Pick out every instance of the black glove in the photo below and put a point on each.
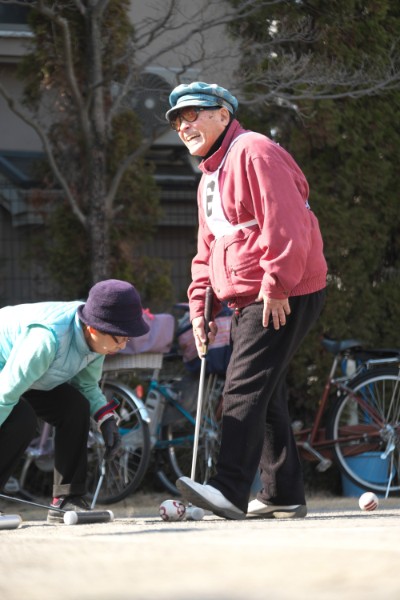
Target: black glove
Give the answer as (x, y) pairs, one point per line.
(111, 436)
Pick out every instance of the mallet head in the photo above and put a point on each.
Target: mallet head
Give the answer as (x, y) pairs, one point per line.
(10, 521)
(72, 517)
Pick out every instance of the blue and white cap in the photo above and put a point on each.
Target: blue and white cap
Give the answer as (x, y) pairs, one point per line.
(199, 93)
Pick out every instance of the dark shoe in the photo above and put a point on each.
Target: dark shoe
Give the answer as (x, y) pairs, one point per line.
(76, 503)
(209, 498)
(272, 511)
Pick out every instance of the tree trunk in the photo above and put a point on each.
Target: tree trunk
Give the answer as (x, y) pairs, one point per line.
(98, 223)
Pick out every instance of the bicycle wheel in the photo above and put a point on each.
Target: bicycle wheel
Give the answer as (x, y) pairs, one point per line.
(175, 447)
(365, 427)
(125, 472)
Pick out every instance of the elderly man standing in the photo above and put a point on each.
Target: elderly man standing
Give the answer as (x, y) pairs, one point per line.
(260, 248)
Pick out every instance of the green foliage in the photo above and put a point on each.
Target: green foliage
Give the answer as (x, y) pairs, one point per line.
(64, 249)
(353, 178)
(349, 150)
(152, 276)
(65, 252)
(44, 68)
(137, 204)
(89, 143)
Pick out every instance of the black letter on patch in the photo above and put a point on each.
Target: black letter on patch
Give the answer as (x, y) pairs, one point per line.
(209, 197)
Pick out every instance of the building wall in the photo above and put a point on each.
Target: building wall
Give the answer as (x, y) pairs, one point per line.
(220, 54)
(15, 134)
(175, 240)
(22, 279)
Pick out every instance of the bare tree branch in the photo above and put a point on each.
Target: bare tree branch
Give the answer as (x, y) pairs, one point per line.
(299, 78)
(177, 36)
(81, 7)
(281, 84)
(129, 160)
(62, 23)
(49, 152)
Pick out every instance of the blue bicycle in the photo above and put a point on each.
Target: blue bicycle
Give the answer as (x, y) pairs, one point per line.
(159, 427)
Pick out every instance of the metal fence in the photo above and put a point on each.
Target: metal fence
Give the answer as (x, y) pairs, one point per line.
(24, 279)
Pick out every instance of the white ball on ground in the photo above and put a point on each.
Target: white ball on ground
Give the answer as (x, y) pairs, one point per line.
(368, 501)
(70, 517)
(172, 510)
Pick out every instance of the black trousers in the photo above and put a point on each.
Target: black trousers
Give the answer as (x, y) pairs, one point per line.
(67, 410)
(256, 425)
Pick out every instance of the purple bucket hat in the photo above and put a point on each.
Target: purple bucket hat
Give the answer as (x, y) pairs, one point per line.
(114, 306)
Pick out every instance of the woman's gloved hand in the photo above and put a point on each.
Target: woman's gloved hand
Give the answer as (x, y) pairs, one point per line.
(111, 436)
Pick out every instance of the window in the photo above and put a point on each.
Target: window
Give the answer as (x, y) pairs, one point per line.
(13, 15)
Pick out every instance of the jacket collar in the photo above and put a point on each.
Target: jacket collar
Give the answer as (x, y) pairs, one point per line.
(211, 164)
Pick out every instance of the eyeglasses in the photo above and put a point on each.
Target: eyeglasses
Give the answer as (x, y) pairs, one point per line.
(123, 340)
(190, 114)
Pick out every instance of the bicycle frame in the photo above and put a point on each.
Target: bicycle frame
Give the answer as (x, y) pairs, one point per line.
(172, 400)
(312, 442)
(155, 426)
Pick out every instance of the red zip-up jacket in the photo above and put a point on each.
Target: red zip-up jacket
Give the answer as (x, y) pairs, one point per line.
(283, 254)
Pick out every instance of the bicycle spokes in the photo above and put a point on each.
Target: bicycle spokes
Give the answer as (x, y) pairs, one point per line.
(366, 431)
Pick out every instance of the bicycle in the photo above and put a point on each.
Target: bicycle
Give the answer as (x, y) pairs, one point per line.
(170, 424)
(162, 427)
(363, 422)
(171, 406)
(125, 472)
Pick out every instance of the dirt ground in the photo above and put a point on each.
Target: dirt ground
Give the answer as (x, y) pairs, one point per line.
(338, 551)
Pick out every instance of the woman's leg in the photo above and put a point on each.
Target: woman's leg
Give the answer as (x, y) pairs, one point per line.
(15, 435)
(67, 410)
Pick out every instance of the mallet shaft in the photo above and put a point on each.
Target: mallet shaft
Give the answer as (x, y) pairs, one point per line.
(23, 501)
(207, 317)
(92, 516)
(99, 484)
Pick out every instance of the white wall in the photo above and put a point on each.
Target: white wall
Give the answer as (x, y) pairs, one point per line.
(219, 53)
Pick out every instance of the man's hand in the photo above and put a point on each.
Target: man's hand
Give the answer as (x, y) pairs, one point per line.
(111, 436)
(275, 309)
(200, 334)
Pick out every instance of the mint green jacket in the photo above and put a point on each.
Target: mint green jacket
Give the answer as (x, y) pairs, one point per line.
(42, 345)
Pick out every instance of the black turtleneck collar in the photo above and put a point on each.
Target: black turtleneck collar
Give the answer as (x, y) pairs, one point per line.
(218, 142)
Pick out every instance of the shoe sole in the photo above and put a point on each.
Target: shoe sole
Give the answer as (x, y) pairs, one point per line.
(59, 518)
(197, 500)
(280, 513)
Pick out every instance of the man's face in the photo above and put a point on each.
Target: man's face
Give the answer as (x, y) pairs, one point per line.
(200, 135)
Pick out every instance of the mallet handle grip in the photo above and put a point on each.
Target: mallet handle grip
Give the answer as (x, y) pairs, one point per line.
(208, 306)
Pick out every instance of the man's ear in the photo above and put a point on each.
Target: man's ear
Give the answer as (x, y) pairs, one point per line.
(225, 115)
(91, 330)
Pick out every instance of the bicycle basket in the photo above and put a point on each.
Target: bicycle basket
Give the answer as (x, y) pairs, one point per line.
(157, 340)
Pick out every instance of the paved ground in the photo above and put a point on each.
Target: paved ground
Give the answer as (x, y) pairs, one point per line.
(336, 552)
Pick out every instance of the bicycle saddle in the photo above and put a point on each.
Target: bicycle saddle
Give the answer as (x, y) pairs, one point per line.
(338, 346)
